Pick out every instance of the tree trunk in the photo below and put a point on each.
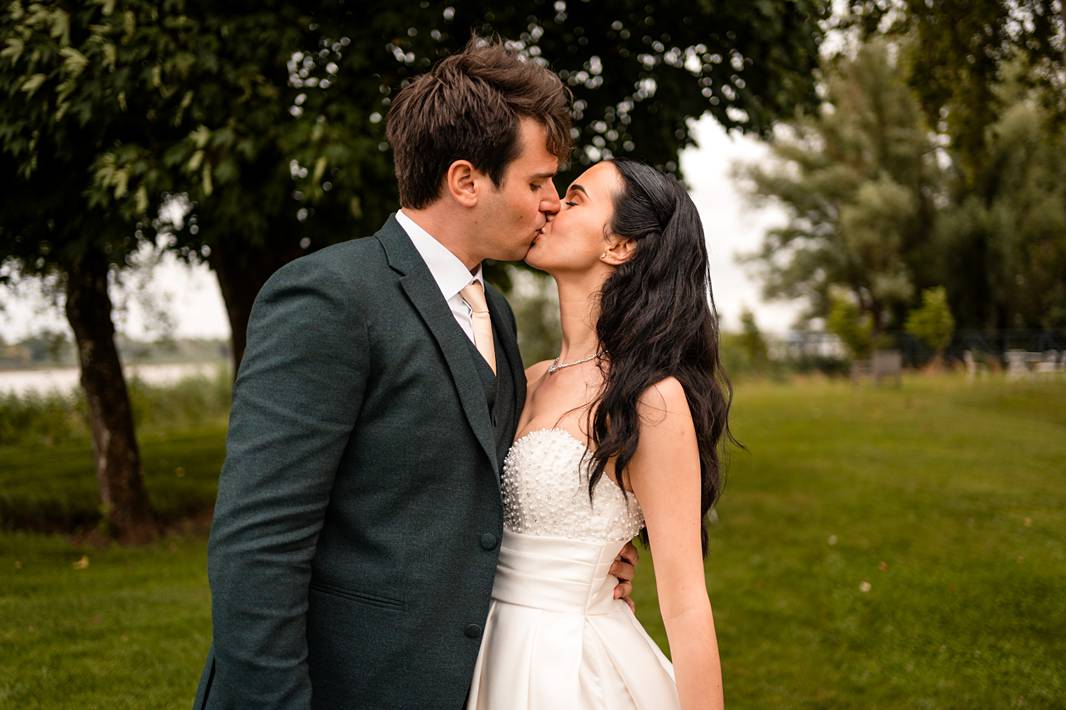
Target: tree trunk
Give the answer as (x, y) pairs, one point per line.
(241, 272)
(125, 506)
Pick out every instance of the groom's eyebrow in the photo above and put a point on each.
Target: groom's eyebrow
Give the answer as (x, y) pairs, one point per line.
(542, 176)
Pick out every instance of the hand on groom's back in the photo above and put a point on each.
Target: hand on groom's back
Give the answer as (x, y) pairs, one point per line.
(624, 568)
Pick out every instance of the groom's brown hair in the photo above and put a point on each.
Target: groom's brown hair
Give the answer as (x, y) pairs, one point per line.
(467, 107)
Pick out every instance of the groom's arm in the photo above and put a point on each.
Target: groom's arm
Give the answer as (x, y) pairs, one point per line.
(296, 400)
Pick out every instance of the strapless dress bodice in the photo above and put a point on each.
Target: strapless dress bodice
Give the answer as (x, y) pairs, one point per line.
(545, 492)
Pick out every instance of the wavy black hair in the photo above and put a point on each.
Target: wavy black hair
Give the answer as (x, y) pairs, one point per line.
(658, 319)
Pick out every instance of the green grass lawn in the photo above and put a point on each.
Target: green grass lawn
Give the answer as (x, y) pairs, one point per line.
(54, 488)
(875, 548)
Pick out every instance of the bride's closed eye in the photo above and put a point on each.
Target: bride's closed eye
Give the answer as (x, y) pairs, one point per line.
(570, 203)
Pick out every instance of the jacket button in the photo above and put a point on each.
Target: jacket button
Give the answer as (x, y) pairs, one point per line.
(473, 630)
(488, 541)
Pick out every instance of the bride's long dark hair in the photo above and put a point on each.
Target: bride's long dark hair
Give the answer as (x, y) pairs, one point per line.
(658, 319)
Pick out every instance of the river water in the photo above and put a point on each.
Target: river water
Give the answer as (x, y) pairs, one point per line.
(65, 379)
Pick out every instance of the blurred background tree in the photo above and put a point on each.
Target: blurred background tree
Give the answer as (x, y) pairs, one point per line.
(745, 353)
(932, 322)
(990, 77)
(957, 54)
(849, 323)
(858, 180)
(752, 342)
(1001, 246)
(935, 160)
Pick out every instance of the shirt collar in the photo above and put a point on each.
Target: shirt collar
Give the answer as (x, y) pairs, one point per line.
(447, 269)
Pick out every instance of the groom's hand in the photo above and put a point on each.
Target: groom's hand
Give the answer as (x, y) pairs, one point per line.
(625, 565)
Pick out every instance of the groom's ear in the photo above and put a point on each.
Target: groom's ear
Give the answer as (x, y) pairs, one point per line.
(462, 182)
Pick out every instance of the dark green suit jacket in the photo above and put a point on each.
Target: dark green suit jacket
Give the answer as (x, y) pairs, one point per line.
(357, 527)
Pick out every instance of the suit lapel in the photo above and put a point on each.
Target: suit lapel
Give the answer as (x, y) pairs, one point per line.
(421, 289)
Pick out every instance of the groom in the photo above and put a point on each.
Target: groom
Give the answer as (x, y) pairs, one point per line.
(358, 519)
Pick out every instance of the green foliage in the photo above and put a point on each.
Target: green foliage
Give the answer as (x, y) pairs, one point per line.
(752, 340)
(990, 77)
(957, 54)
(76, 88)
(40, 419)
(745, 353)
(53, 418)
(881, 207)
(1002, 246)
(932, 323)
(270, 120)
(848, 323)
(186, 402)
(857, 180)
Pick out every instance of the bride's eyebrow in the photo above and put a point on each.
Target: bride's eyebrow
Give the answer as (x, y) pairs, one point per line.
(578, 188)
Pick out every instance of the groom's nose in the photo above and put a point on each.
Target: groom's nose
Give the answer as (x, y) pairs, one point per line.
(550, 204)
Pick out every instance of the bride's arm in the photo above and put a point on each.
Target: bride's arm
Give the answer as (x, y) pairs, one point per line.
(665, 476)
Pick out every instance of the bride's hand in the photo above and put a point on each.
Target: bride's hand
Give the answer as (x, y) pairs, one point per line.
(624, 567)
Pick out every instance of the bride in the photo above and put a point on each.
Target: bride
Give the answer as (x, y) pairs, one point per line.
(618, 437)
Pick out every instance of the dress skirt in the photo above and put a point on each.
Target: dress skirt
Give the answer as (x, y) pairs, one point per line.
(555, 637)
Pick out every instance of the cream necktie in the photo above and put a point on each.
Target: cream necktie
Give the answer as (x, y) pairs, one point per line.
(474, 295)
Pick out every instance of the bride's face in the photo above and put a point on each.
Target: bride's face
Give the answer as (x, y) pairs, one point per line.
(575, 238)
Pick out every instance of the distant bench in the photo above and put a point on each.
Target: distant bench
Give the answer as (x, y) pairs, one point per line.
(884, 365)
(1024, 364)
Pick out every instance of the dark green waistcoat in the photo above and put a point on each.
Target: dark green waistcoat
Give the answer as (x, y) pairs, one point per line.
(499, 391)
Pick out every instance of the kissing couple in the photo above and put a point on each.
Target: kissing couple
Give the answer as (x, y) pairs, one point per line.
(407, 518)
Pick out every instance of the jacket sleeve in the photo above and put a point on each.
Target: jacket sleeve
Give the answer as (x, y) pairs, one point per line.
(296, 400)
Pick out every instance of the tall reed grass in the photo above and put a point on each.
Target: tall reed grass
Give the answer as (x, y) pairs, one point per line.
(54, 418)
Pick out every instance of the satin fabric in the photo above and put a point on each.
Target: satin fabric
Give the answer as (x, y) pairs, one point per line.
(556, 638)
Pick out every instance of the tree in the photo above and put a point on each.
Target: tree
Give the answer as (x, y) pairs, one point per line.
(858, 181)
(848, 323)
(1002, 244)
(752, 342)
(62, 103)
(932, 323)
(280, 106)
(957, 53)
(990, 77)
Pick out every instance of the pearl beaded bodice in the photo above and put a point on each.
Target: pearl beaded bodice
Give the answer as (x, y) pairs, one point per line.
(545, 492)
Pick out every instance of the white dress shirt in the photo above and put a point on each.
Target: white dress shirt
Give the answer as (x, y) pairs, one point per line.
(448, 271)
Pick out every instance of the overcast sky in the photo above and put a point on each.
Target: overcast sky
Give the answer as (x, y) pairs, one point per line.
(192, 298)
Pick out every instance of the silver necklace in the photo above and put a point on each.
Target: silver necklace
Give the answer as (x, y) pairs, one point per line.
(556, 365)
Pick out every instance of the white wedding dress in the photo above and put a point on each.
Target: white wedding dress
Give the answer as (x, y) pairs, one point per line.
(556, 638)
